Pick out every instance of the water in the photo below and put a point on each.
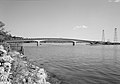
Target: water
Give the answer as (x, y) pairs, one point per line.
(80, 64)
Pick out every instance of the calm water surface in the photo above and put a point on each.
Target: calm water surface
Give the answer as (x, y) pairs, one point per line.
(80, 64)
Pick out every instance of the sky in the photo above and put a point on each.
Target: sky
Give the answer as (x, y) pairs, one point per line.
(77, 19)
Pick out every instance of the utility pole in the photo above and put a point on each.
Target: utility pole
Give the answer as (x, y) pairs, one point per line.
(115, 35)
(103, 36)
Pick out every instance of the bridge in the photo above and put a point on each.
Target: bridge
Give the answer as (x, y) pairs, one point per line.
(56, 40)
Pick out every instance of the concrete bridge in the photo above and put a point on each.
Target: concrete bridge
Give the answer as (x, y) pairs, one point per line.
(42, 41)
(54, 40)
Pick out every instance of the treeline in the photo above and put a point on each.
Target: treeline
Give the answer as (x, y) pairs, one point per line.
(5, 35)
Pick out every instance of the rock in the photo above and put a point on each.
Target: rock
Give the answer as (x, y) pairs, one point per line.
(15, 68)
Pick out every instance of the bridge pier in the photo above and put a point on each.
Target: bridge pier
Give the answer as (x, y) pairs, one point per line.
(74, 43)
(38, 43)
(91, 43)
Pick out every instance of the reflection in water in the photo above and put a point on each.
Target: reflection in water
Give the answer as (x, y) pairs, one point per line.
(115, 48)
(103, 53)
(79, 64)
(106, 58)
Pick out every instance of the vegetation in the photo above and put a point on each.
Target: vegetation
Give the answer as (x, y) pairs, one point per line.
(5, 35)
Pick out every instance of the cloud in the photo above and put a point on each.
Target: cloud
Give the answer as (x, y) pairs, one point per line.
(117, 1)
(114, 1)
(110, 0)
(80, 27)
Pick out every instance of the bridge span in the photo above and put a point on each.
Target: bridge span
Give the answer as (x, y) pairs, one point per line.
(50, 40)
(55, 40)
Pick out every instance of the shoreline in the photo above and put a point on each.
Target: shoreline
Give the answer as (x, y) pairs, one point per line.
(31, 73)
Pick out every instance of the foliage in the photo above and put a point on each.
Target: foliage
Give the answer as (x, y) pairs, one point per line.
(5, 35)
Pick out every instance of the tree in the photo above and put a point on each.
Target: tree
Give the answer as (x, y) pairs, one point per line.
(4, 35)
(1, 24)
(2, 31)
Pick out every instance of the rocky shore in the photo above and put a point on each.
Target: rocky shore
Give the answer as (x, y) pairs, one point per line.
(15, 68)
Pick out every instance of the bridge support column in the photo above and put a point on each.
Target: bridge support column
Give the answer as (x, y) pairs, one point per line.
(91, 43)
(74, 43)
(38, 43)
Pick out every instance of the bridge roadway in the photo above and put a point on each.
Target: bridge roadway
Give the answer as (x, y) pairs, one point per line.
(52, 40)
